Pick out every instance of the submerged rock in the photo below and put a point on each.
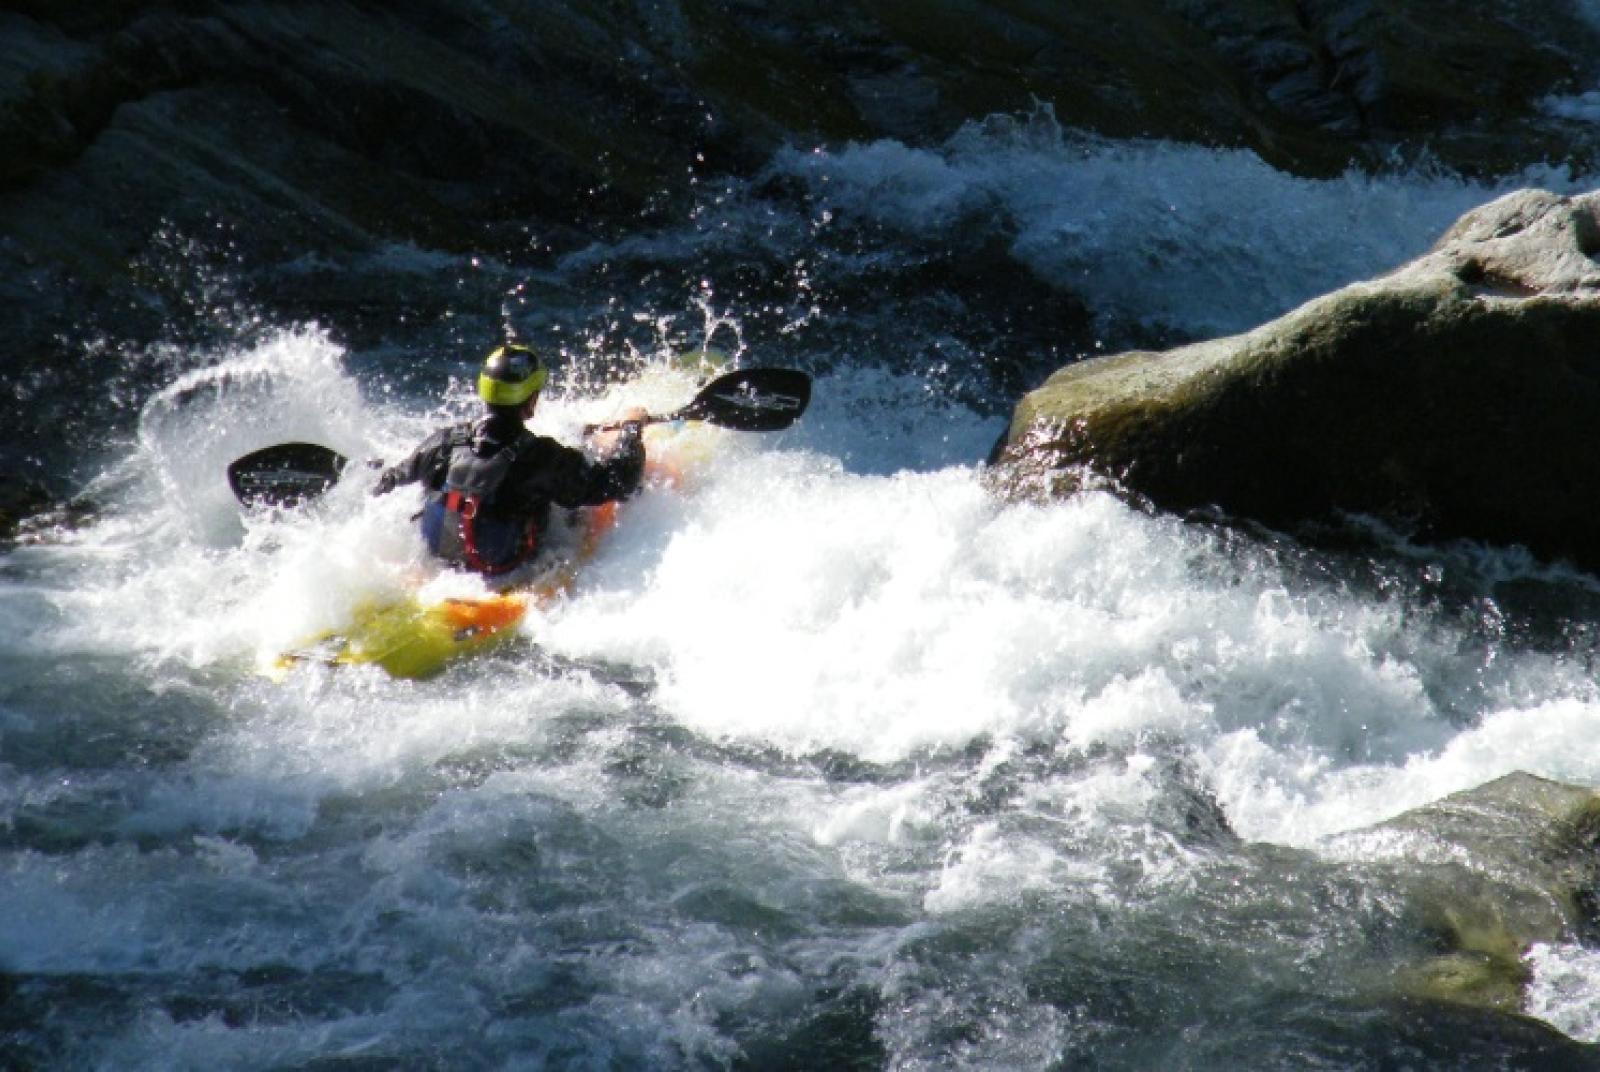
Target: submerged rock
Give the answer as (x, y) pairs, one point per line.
(1456, 396)
(1486, 874)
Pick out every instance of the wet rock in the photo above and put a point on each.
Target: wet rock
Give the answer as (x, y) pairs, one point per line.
(336, 128)
(20, 498)
(1447, 1035)
(316, 126)
(1308, 86)
(1384, 73)
(1455, 397)
(1489, 872)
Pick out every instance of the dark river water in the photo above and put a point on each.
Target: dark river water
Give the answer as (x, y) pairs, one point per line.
(830, 759)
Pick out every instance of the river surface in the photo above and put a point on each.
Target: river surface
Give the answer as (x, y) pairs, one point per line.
(831, 759)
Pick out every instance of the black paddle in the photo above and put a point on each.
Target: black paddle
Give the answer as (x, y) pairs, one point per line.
(285, 475)
(750, 400)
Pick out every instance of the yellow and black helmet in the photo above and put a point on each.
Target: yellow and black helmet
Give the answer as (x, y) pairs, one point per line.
(511, 375)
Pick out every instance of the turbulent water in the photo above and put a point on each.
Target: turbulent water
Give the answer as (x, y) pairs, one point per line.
(831, 759)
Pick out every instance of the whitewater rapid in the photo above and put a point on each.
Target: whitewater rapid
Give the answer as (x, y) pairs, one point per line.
(826, 718)
(781, 599)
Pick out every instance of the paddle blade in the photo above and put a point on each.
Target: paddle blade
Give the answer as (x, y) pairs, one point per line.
(751, 400)
(284, 475)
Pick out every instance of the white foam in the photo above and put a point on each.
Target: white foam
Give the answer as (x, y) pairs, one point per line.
(783, 599)
(883, 816)
(1206, 241)
(796, 604)
(790, 603)
(1297, 797)
(289, 388)
(1565, 989)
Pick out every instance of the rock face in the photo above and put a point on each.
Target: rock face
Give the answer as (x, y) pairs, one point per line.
(330, 126)
(1457, 395)
(410, 83)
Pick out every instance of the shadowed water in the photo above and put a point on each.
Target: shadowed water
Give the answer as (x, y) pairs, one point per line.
(830, 759)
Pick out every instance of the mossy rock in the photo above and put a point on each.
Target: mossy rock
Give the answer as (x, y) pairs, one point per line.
(1542, 833)
(1487, 873)
(1454, 397)
(1468, 979)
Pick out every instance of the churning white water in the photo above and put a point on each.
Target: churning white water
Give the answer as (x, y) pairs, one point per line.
(828, 747)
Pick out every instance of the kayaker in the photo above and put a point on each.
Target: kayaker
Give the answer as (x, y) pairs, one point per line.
(490, 482)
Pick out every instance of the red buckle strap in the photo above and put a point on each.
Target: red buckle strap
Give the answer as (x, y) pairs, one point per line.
(466, 507)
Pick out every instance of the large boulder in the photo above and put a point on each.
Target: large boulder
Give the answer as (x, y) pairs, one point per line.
(1456, 396)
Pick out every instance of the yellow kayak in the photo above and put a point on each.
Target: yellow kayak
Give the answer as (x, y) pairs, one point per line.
(417, 638)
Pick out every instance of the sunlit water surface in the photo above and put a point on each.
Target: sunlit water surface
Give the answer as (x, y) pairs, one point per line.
(831, 758)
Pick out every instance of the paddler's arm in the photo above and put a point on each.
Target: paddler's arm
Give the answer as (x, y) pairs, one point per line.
(572, 478)
(428, 457)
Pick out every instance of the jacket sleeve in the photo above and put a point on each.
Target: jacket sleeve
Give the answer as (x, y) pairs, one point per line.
(569, 477)
(428, 463)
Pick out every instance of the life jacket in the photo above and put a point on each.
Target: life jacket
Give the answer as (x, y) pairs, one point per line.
(463, 521)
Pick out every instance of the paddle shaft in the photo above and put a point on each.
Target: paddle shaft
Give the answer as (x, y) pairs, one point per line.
(653, 418)
(749, 400)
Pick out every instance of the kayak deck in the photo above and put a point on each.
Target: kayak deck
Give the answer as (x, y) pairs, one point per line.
(414, 637)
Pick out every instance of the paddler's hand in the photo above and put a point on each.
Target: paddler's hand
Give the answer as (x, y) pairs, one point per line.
(388, 480)
(629, 420)
(623, 427)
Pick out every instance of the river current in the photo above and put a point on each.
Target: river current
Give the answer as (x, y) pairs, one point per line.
(831, 758)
